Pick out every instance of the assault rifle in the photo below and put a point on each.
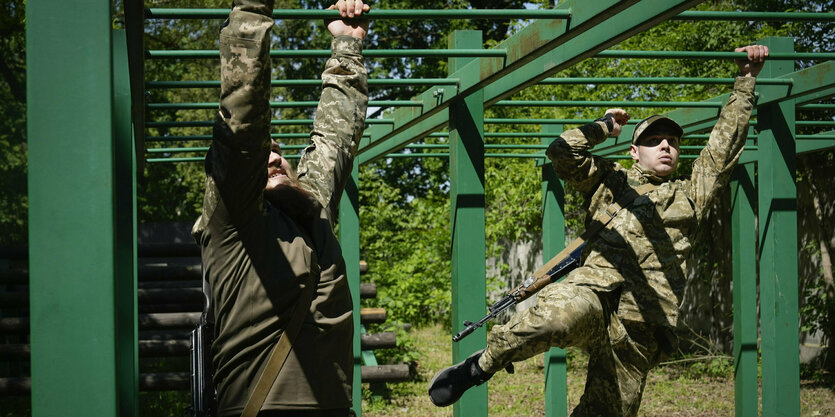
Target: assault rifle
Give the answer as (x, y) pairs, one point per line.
(555, 269)
(203, 401)
(203, 394)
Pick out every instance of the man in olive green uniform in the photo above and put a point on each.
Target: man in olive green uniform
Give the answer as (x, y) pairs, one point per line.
(266, 233)
(622, 303)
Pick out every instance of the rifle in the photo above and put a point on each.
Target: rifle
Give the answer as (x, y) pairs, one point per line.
(557, 268)
(203, 394)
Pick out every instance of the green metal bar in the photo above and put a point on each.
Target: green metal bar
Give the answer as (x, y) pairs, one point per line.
(815, 123)
(276, 104)
(349, 240)
(538, 121)
(302, 83)
(553, 241)
(608, 104)
(275, 122)
(467, 223)
(72, 226)
(435, 81)
(816, 106)
(743, 196)
(708, 55)
(419, 155)
(778, 247)
(378, 14)
(657, 80)
(514, 135)
(125, 253)
(819, 136)
(755, 16)
(449, 53)
(497, 14)
(326, 53)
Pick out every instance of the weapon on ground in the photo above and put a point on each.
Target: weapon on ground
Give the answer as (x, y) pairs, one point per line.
(555, 269)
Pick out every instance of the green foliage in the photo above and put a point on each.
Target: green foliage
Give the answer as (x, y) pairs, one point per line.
(13, 198)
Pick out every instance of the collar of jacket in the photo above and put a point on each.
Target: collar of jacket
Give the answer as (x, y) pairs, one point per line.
(647, 175)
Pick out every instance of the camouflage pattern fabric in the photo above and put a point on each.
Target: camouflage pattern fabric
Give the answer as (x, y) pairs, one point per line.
(257, 257)
(635, 265)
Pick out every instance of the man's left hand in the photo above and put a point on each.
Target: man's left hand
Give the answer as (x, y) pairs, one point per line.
(350, 24)
(756, 58)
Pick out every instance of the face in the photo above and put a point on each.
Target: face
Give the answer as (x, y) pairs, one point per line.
(279, 171)
(658, 152)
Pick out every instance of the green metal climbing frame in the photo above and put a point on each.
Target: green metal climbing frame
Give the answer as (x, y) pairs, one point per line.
(85, 115)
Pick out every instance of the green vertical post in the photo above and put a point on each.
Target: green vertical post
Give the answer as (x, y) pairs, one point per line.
(72, 227)
(466, 177)
(743, 196)
(127, 344)
(778, 245)
(349, 240)
(553, 241)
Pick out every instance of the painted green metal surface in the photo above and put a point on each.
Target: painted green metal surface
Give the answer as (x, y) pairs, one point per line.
(72, 234)
(325, 53)
(537, 51)
(172, 13)
(778, 246)
(125, 276)
(349, 240)
(743, 199)
(553, 241)
(467, 223)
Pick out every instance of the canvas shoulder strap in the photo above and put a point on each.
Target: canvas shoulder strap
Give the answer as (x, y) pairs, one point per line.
(279, 354)
(624, 201)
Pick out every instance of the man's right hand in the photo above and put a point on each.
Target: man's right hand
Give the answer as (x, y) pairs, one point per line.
(757, 55)
(350, 24)
(620, 117)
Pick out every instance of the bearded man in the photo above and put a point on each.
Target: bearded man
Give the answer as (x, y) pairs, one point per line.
(270, 257)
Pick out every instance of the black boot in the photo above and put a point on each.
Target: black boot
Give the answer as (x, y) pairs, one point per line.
(449, 384)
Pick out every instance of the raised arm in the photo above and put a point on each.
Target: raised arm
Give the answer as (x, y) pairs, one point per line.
(236, 164)
(326, 163)
(713, 167)
(571, 151)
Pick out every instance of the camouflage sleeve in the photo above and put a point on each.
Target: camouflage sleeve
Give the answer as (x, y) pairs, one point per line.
(326, 164)
(571, 155)
(236, 163)
(713, 167)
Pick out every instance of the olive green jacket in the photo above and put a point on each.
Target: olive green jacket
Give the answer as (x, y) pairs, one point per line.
(642, 252)
(257, 257)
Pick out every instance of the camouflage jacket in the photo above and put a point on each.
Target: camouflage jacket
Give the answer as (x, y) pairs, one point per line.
(256, 257)
(642, 251)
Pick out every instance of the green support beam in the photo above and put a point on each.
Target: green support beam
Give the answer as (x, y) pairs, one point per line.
(467, 223)
(349, 240)
(542, 48)
(81, 364)
(778, 246)
(553, 241)
(125, 245)
(743, 199)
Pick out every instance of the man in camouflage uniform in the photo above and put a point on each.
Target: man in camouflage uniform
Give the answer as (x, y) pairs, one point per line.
(266, 232)
(622, 303)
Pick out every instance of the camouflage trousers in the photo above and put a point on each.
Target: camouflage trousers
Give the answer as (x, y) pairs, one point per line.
(620, 353)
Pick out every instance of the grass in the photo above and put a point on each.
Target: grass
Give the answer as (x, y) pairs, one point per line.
(688, 389)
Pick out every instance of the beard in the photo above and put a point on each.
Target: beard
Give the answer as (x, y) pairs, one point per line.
(298, 203)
